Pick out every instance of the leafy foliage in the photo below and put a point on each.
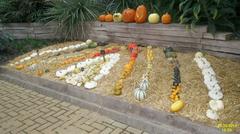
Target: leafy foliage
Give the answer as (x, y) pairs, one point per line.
(22, 10)
(71, 15)
(5, 39)
(217, 14)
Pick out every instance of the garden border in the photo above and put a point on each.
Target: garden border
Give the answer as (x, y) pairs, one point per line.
(145, 118)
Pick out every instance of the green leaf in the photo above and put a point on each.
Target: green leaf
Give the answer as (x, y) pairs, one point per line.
(196, 10)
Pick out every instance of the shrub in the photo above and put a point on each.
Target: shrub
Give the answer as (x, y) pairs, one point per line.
(12, 11)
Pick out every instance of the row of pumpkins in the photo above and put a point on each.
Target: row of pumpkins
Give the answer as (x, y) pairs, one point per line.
(139, 16)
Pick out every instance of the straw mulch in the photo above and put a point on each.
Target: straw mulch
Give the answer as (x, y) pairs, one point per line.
(194, 92)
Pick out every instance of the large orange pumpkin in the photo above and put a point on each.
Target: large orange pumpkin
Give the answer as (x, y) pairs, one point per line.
(109, 18)
(166, 18)
(141, 14)
(128, 15)
(101, 18)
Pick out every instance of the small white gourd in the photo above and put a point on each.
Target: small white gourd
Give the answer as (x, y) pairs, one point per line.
(139, 94)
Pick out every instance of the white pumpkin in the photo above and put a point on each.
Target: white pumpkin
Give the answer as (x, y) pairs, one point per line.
(144, 84)
(216, 95)
(139, 94)
(199, 55)
(212, 114)
(90, 84)
(216, 105)
(89, 41)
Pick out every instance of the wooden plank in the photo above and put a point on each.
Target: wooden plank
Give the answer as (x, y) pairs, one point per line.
(47, 36)
(224, 55)
(146, 41)
(159, 26)
(219, 36)
(22, 35)
(154, 37)
(17, 24)
(221, 49)
(149, 31)
(234, 44)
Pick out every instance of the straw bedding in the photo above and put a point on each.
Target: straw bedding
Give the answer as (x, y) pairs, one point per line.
(194, 92)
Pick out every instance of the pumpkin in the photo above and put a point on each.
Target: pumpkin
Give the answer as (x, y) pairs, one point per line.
(166, 18)
(177, 106)
(153, 18)
(140, 94)
(20, 67)
(101, 18)
(141, 14)
(109, 18)
(117, 17)
(128, 15)
(39, 72)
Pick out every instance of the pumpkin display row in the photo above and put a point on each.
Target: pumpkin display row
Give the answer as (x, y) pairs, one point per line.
(133, 49)
(139, 15)
(88, 72)
(19, 64)
(140, 92)
(215, 93)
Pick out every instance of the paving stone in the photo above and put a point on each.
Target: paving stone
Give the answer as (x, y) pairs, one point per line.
(40, 120)
(107, 131)
(44, 126)
(52, 119)
(86, 127)
(120, 125)
(98, 126)
(117, 131)
(134, 130)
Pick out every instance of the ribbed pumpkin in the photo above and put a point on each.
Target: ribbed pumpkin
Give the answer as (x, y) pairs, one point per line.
(101, 18)
(109, 18)
(141, 14)
(166, 18)
(140, 94)
(128, 15)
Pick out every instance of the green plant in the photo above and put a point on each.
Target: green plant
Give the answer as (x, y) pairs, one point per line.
(217, 14)
(5, 39)
(71, 15)
(12, 11)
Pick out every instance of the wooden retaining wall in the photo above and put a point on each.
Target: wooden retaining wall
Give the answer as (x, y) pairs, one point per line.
(174, 35)
(30, 30)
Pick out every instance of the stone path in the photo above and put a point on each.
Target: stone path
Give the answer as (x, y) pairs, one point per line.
(24, 111)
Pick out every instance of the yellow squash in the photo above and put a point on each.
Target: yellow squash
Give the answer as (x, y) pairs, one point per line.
(177, 106)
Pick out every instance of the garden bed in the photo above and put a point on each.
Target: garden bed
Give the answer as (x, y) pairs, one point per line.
(194, 92)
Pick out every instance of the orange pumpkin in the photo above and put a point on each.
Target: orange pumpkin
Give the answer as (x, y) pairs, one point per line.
(166, 18)
(101, 18)
(128, 15)
(141, 14)
(109, 18)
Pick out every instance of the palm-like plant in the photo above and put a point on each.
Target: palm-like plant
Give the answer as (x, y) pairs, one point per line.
(71, 15)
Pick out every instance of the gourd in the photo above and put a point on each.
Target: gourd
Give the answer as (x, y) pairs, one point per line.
(177, 106)
(117, 17)
(166, 18)
(128, 15)
(108, 18)
(20, 67)
(169, 52)
(101, 18)
(176, 76)
(118, 87)
(141, 14)
(140, 94)
(39, 72)
(153, 18)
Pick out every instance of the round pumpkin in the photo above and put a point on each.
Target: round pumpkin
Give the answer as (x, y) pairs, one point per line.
(153, 18)
(117, 17)
(166, 18)
(177, 106)
(109, 18)
(141, 14)
(101, 18)
(128, 15)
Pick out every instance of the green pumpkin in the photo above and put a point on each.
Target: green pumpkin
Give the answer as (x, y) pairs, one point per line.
(92, 45)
